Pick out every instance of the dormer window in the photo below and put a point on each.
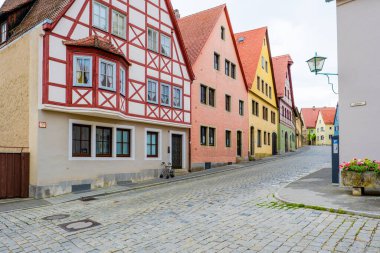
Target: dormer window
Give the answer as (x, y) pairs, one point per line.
(223, 33)
(3, 32)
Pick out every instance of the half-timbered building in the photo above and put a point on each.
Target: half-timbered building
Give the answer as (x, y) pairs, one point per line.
(105, 90)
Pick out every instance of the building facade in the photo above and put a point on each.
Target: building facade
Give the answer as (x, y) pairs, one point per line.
(255, 54)
(105, 88)
(286, 128)
(325, 126)
(300, 128)
(359, 103)
(336, 122)
(219, 133)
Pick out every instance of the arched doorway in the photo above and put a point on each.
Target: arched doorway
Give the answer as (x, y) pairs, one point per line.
(286, 142)
(274, 144)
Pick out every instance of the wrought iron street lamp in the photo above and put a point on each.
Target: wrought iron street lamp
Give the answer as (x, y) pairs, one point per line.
(316, 65)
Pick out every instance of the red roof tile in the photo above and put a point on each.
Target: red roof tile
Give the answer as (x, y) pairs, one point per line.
(250, 51)
(328, 116)
(197, 28)
(310, 115)
(280, 66)
(10, 5)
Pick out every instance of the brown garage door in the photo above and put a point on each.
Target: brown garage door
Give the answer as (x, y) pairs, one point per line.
(14, 175)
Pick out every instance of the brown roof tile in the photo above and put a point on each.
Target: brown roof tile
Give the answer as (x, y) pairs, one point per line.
(10, 5)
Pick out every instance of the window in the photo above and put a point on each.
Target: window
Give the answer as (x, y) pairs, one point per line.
(152, 92)
(228, 138)
(123, 143)
(216, 61)
(119, 24)
(273, 117)
(203, 135)
(165, 94)
(177, 97)
(100, 16)
(265, 138)
(270, 92)
(262, 86)
(223, 33)
(166, 45)
(3, 32)
(241, 107)
(81, 141)
(211, 136)
(227, 67)
(265, 113)
(152, 144)
(266, 66)
(266, 89)
(262, 62)
(83, 71)
(152, 40)
(259, 138)
(203, 94)
(233, 71)
(330, 137)
(211, 97)
(228, 103)
(258, 83)
(255, 108)
(269, 139)
(122, 81)
(103, 142)
(107, 75)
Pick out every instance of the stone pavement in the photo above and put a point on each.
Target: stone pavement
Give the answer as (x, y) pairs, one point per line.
(233, 211)
(316, 190)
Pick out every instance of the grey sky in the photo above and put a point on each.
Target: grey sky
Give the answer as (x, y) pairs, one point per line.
(297, 27)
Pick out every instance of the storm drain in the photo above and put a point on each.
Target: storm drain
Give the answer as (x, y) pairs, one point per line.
(79, 225)
(86, 199)
(56, 217)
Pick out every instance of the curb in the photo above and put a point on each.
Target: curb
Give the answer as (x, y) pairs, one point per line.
(327, 209)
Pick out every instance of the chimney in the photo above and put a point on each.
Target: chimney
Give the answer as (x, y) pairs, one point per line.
(177, 14)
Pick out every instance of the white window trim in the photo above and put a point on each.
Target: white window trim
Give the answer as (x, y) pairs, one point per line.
(114, 75)
(124, 35)
(159, 131)
(158, 38)
(123, 92)
(170, 93)
(75, 71)
(4, 24)
(93, 157)
(184, 146)
(157, 92)
(181, 98)
(170, 46)
(107, 18)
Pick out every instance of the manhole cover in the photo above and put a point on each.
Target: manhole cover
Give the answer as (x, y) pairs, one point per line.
(79, 225)
(56, 217)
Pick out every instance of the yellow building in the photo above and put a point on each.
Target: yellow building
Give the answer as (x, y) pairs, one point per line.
(325, 127)
(254, 51)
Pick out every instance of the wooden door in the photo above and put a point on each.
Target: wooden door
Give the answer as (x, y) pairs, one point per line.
(177, 151)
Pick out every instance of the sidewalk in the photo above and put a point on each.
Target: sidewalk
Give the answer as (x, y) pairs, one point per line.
(18, 204)
(316, 190)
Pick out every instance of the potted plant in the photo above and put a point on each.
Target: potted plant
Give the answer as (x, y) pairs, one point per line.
(360, 174)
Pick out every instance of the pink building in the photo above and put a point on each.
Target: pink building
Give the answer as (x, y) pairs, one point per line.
(219, 133)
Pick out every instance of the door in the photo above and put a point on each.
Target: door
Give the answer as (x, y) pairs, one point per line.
(252, 138)
(274, 144)
(238, 138)
(286, 142)
(177, 151)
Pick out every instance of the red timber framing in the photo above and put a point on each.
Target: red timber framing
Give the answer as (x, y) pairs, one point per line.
(75, 23)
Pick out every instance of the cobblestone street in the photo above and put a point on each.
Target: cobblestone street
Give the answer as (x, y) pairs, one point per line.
(233, 211)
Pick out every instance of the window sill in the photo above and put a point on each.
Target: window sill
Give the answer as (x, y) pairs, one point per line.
(153, 51)
(124, 37)
(107, 89)
(82, 86)
(152, 102)
(101, 29)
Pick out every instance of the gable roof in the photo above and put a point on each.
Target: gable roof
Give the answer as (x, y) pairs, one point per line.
(328, 115)
(11, 5)
(310, 115)
(250, 51)
(280, 66)
(197, 28)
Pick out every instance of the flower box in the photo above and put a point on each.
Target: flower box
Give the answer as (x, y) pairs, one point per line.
(360, 174)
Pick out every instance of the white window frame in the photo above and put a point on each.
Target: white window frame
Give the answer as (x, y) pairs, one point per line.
(262, 62)
(155, 46)
(123, 33)
(122, 84)
(169, 89)
(180, 100)
(114, 75)
(93, 157)
(170, 45)
(75, 84)
(155, 130)
(147, 92)
(93, 14)
(3, 32)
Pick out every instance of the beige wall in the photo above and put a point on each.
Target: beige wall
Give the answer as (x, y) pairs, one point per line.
(18, 70)
(55, 164)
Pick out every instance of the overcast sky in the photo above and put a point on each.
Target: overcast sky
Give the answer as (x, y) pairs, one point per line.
(296, 27)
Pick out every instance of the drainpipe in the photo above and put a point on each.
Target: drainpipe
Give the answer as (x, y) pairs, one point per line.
(189, 148)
